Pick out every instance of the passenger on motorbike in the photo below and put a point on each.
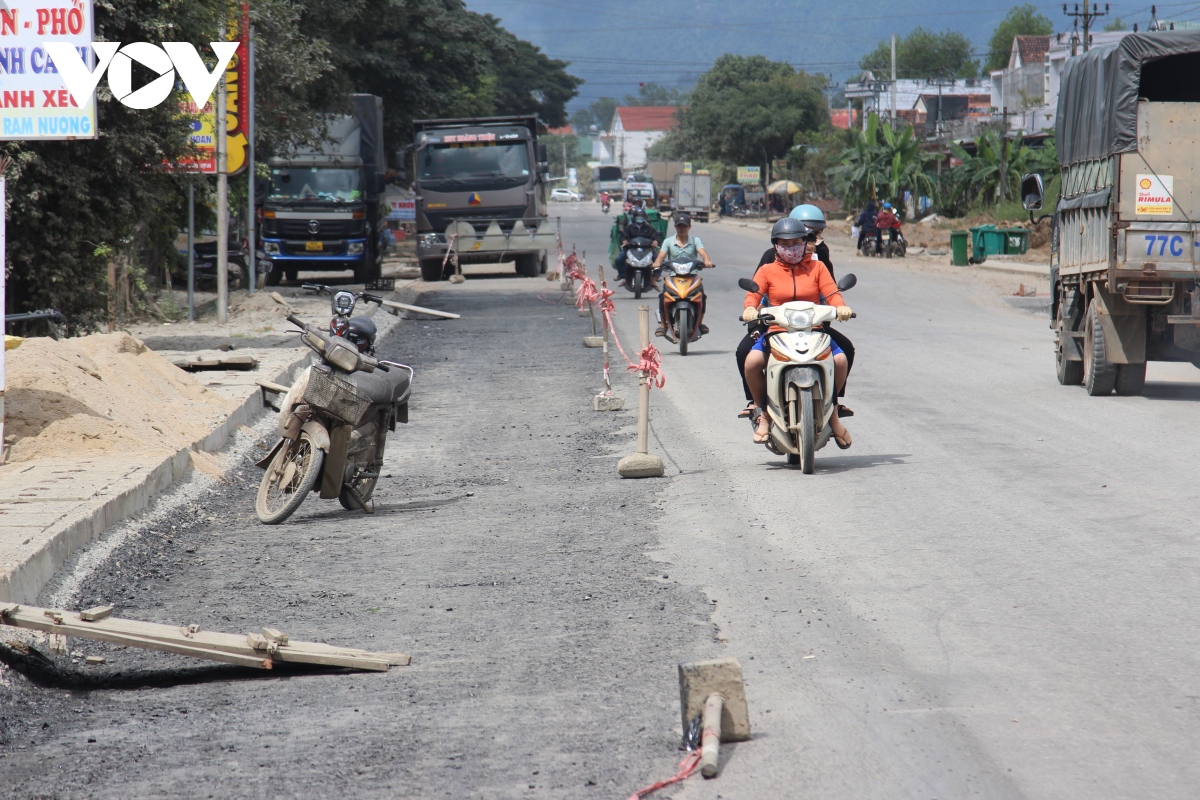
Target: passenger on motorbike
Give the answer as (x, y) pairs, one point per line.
(795, 274)
(639, 227)
(865, 222)
(681, 246)
(813, 217)
(886, 221)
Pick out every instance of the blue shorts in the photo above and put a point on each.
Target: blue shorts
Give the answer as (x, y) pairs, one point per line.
(761, 345)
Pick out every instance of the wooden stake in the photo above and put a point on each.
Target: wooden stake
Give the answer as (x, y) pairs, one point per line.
(710, 739)
(641, 464)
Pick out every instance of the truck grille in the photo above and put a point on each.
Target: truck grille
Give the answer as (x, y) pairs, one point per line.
(480, 219)
(327, 228)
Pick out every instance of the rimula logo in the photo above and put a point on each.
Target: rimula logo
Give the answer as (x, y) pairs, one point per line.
(118, 61)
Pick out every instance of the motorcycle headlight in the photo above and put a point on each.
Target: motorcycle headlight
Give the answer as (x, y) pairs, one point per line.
(271, 248)
(342, 356)
(799, 319)
(644, 261)
(683, 268)
(354, 249)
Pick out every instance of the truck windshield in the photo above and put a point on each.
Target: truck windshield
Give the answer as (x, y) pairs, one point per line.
(316, 183)
(469, 163)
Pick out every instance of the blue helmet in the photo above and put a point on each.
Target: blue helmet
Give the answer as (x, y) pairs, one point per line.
(810, 215)
(887, 206)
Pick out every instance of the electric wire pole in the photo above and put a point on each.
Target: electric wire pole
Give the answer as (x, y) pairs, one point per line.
(1088, 16)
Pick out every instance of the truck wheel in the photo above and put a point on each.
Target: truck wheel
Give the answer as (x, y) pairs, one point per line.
(544, 263)
(1131, 379)
(431, 269)
(527, 265)
(1099, 376)
(274, 277)
(1070, 373)
(292, 274)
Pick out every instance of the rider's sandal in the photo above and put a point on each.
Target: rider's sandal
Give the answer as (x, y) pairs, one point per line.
(843, 411)
(703, 328)
(660, 331)
(762, 428)
(747, 411)
(843, 443)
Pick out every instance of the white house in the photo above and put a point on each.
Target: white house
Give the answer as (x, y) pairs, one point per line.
(633, 130)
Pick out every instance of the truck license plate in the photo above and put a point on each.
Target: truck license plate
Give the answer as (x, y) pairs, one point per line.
(314, 245)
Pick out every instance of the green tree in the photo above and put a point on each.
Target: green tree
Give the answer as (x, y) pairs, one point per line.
(599, 113)
(1020, 21)
(923, 55)
(1117, 24)
(748, 110)
(882, 164)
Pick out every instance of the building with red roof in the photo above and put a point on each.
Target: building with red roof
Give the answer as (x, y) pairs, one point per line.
(633, 130)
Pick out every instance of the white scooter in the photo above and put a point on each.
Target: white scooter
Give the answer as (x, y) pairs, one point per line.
(800, 381)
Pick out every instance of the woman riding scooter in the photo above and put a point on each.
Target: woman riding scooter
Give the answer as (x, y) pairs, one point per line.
(813, 217)
(795, 274)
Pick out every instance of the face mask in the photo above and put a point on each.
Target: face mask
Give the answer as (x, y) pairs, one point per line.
(791, 253)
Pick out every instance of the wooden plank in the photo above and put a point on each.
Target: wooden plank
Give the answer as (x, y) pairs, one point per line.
(275, 635)
(271, 386)
(421, 310)
(96, 614)
(255, 650)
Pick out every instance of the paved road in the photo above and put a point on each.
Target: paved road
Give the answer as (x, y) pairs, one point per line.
(991, 594)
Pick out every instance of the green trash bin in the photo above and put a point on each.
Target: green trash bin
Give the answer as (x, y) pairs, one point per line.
(986, 240)
(958, 248)
(1016, 241)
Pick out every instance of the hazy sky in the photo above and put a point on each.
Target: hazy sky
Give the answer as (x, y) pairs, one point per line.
(617, 44)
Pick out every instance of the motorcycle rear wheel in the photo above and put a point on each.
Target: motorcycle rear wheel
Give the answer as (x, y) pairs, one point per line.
(289, 478)
(363, 487)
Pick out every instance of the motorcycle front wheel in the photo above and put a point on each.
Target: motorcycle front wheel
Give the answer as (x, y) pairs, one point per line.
(637, 284)
(683, 329)
(289, 478)
(806, 436)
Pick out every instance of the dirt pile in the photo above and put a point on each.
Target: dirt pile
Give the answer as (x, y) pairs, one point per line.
(100, 395)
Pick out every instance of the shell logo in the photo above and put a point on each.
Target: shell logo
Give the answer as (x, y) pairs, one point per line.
(1145, 183)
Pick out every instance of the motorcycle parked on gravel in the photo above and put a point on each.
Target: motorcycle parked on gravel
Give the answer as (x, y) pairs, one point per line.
(800, 380)
(683, 298)
(333, 424)
(639, 257)
(360, 330)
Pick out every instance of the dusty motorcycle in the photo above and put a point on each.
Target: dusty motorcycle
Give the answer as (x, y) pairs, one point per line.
(800, 376)
(360, 329)
(683, 299)
(333, 424)
(639, 257)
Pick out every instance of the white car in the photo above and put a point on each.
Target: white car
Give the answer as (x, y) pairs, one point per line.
(565, 196)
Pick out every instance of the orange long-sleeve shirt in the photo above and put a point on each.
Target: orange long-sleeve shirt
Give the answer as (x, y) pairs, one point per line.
(782, 283)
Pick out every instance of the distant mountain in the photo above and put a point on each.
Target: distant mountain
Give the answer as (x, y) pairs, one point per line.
(616, 45)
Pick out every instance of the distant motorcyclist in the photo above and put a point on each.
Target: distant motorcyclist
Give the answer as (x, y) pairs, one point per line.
(865, 222)
(681, 246)
(638, 227)
(886, 221)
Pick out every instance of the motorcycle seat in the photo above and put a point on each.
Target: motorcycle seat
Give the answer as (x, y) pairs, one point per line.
(363, 326)
(383, 388)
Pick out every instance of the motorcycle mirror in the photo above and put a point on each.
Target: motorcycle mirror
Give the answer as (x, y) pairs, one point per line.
(748, 285)
(848, 282)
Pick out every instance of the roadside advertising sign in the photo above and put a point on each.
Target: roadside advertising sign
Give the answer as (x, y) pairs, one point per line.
(687, 168)
(202, 136)
(34, 101)
(748, 174)
(1154, 195)
(402, 209)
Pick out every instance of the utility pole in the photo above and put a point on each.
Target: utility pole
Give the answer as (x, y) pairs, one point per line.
(251, 228)
(222, 202)
(893, 80)
(1088, 16)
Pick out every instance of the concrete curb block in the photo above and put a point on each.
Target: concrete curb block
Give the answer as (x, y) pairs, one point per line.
(23, 583)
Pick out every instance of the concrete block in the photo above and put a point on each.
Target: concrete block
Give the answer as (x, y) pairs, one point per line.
(608, 402)
(593, 341)
(723, 676)
(641, 465)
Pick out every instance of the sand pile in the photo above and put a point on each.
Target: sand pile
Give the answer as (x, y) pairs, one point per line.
(102, 395)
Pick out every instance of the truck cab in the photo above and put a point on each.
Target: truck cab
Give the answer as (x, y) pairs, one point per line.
(481, 194)
(321, 207)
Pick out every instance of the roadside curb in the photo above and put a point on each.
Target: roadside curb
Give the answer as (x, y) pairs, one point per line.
(24, 580)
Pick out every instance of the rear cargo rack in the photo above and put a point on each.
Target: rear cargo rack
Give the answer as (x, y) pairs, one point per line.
(1148, 293)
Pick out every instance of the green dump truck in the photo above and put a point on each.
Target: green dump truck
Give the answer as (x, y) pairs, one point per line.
(1123, 262)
